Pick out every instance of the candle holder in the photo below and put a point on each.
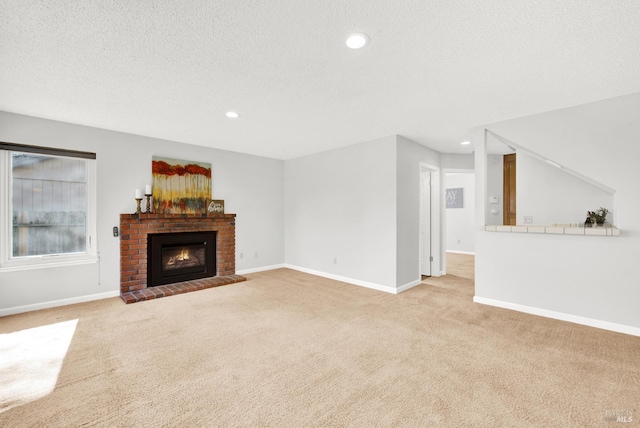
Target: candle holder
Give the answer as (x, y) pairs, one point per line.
(138, 210)
(148, 195)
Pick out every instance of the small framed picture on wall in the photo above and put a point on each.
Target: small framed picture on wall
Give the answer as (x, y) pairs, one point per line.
(455, 197)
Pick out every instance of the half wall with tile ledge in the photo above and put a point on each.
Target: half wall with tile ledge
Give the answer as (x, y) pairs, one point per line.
(557, 229)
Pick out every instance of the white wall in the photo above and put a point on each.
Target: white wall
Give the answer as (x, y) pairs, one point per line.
(359, 206)
(252, 187)
(456, 162)
(584, 277)
(551, 195)
(460, 222)
(495, 187)
(340, 213)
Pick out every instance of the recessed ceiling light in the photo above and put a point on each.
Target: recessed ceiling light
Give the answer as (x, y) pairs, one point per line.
(357, 40)
(232, 114)
(465, 143)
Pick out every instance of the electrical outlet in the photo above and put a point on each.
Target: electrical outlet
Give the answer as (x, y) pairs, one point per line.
(241, 255)
(335, 261)
(256, 255)
(528, 219)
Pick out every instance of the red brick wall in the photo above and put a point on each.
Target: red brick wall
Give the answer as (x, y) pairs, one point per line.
(134, 229)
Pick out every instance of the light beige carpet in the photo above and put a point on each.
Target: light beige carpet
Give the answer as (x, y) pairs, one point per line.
(287, 349)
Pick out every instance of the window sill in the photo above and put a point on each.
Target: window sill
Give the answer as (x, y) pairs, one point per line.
(557, 230)
(43, 263)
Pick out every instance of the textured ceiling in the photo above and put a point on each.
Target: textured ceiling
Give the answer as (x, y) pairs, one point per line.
(433, 70)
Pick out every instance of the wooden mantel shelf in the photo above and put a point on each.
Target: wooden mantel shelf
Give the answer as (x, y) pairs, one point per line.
(151, 216)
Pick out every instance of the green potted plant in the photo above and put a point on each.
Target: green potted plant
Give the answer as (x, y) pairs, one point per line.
(598, 216)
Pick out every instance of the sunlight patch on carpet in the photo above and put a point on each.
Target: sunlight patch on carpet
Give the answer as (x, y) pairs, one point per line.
(30, 362)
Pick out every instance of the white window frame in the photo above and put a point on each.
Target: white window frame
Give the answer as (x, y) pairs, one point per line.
(10, 263)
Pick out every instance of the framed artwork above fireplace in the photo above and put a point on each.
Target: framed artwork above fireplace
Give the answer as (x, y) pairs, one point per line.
(180, 186)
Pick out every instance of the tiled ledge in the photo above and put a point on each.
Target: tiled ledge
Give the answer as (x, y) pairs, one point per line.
(557, 230)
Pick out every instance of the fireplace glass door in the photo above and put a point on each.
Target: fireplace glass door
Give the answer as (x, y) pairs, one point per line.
(177, 257)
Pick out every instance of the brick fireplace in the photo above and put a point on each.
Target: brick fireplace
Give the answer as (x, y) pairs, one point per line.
(134, 233)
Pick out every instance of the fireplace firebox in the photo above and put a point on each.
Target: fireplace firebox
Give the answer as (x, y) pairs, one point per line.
(177, 257)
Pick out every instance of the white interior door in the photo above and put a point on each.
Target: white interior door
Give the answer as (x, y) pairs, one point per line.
(425, 223)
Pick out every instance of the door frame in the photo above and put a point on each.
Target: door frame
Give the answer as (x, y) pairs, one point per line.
(435, 216)
(424, 246)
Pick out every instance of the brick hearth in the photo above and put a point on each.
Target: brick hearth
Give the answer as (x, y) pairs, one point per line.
(134, 229)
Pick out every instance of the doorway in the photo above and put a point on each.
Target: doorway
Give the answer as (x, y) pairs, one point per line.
(430, 251)
(509, 189)
(460, 222)
(460, 212)
(426, 257)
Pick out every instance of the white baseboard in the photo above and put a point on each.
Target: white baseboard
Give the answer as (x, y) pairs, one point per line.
(55, 303)
(408, 285)
(605, 325)
(470, 253)
(259, 269)
(366, 284)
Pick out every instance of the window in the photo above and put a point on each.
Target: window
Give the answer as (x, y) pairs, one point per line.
(47, 201)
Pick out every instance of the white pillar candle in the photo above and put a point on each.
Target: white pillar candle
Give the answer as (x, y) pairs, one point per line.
(147, 189)
(138, 195)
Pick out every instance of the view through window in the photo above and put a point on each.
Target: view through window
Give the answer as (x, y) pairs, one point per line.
(49, 204)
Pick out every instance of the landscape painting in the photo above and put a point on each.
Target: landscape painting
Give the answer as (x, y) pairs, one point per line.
(180, 187)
